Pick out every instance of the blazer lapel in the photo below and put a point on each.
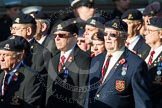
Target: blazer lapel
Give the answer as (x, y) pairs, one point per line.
(1, 81)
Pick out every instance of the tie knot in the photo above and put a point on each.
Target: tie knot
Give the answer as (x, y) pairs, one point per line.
(63, 59)
(127, 44)
(152, 53)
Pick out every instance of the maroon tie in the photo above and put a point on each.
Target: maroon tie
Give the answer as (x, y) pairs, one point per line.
(5, 84)
(151, 57)
(104, 68)
(60, 66)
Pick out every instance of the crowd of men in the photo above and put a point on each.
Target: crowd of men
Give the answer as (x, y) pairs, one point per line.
(82, 59)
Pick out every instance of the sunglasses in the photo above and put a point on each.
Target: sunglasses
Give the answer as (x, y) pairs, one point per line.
(62, 35)
(81, 41)
(111, 35)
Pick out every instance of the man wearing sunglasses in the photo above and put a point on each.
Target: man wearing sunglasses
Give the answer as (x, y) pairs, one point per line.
(118, 77)
(68, 70)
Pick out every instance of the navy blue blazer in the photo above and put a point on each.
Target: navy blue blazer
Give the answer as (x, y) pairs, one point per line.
(120, 89)
(155, 70)
(141, 48)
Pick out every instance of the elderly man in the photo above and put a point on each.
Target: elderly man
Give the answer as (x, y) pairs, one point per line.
(118, 77)
(19, 85)
(68, 70)
(135, 42)
(154, 59)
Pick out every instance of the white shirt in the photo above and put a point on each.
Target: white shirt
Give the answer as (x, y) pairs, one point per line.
(42, 39)
(67, 53)
(157, 52)
(115, 57)
(133, 42)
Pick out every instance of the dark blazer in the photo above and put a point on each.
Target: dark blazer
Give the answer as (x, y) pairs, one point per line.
(141, 48)
(70, 94)
(49, 43)
(129, 90)
(156, 87)
(38, 58)
(23, 92)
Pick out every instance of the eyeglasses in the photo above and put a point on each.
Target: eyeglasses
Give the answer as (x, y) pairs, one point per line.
(111, 35)
(62, 35)
(151, 31)
(81, 41)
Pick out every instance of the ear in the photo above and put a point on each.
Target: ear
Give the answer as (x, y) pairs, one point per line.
(139, 26)
(43, 27)
(29, 30)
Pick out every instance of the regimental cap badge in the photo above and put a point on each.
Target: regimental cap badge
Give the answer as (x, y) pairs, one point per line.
(93, 22)
(130, 16)
(115, 25)
(17, 20)
(59, 27)
(7, 46)
(91, 1)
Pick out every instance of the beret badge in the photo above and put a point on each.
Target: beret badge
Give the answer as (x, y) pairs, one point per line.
(17, 20)
(130, 16)
(115, 25)
(59, 27)
(7, 46)
(93, 22)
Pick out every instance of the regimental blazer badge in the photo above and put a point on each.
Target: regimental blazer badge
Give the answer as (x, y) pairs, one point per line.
(120, 85)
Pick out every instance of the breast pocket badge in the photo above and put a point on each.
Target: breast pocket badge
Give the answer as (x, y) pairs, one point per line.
(120, 85)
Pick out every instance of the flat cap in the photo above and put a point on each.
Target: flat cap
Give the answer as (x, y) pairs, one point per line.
(98, 36)
(78, 3)
(152, 9)
(96, 22)
(31, 9)
(24, 19)
(117, 24)
(15, 43)
(157, 22)
(40, 15)
(132, 14)
(68, 25)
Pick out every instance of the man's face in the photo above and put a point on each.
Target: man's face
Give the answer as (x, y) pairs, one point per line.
(64, 40)
(13, 11)
(153, 35)
(89, 31)
(113, 41)
(8, 61)
(133, 27)
(81, 43)
(19, 29)
(98, 47)
(123, 4)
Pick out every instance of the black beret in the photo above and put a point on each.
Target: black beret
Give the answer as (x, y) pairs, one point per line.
(23, 19)
(40, 15)
(96, 22)
(68, 25)
(152, 9)
(98, 36)
(78, 3)
(157, 22)
(15, 43)
(132, 14)
(117, 24)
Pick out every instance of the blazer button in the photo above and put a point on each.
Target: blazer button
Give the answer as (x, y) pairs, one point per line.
(97, 95)
(2, 100)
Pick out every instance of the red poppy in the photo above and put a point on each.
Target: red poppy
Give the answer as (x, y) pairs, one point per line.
(122, 61)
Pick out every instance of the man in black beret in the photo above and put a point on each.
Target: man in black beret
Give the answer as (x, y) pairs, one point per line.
(20, 85)
(69, 67)
(135, 42)
(12, 7)
(93, 25)
(42, 35)
(118, 77)
(25, 25)
(154, 59)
